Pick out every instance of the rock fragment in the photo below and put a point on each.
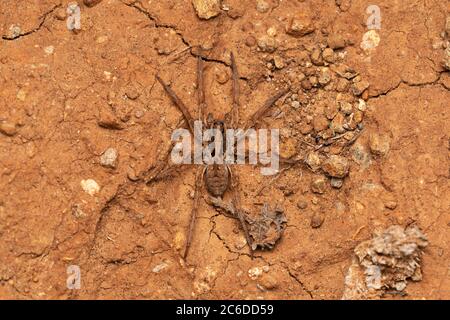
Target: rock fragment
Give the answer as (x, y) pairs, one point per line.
(359, 87)
(391, 205)
(319, 186)
(206, 9)
(267, 43)
(300, 25)
(313, 161)
(336, 41)
(109, 158)
(336, 166)
(379, 144)
(90, 186)
(337, 183)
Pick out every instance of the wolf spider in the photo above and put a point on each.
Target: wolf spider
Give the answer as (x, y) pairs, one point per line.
(219, 178)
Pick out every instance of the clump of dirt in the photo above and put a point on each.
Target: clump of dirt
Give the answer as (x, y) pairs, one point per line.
(264, 229)
(385, 263)
(268, 228)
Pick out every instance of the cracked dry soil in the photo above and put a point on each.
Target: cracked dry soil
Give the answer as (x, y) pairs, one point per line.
(66, 97)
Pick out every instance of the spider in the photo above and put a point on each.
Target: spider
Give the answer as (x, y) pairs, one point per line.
(219, 178)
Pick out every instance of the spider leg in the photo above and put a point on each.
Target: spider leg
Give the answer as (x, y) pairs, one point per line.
(198, 185)
(180, 105)
(235, 92)
(201, 89)
(238, 210)
(162, 168)
(254, 119)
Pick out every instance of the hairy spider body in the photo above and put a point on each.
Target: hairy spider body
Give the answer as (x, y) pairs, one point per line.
(218, 178)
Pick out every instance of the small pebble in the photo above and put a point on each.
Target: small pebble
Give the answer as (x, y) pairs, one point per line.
(319, 186)
(316, 57)
(379, 144)
(158, 268)
(8, 128)
(328, 55)
(346, 108)
(207, 9)
(337, 124)
(109, 158)
(267, 43)
(262, 6)
(359, 87)
(313, 161)
(90, 186)
(342, 85)
(337, 183)
(295, 104)
(336, 41)
(222, 76)
(302, 205)
(14, 31)
(278, 62)
(255, 272)
(336, 166)
(272, 31)
(300, 25)
(324, 76)
(21, 95)
(391, 205)
(316, 221)
(250, 41)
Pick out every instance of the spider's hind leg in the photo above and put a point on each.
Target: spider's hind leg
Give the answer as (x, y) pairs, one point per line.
(197, 191)
(238, 211)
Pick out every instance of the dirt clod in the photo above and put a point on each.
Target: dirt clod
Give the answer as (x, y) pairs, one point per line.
(336, 166)
(385, 263)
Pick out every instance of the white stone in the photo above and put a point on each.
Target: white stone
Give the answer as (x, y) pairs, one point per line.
(90, 186)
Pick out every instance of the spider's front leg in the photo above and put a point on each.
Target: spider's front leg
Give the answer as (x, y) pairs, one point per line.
(261, 112)
(162, 167)
(235, 93)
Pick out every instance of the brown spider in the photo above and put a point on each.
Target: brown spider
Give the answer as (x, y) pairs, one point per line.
(218, 178)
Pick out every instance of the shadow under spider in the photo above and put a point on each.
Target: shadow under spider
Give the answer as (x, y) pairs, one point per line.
(219, 178)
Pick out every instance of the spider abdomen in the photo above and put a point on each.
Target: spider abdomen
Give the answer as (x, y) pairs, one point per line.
(217, 179)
